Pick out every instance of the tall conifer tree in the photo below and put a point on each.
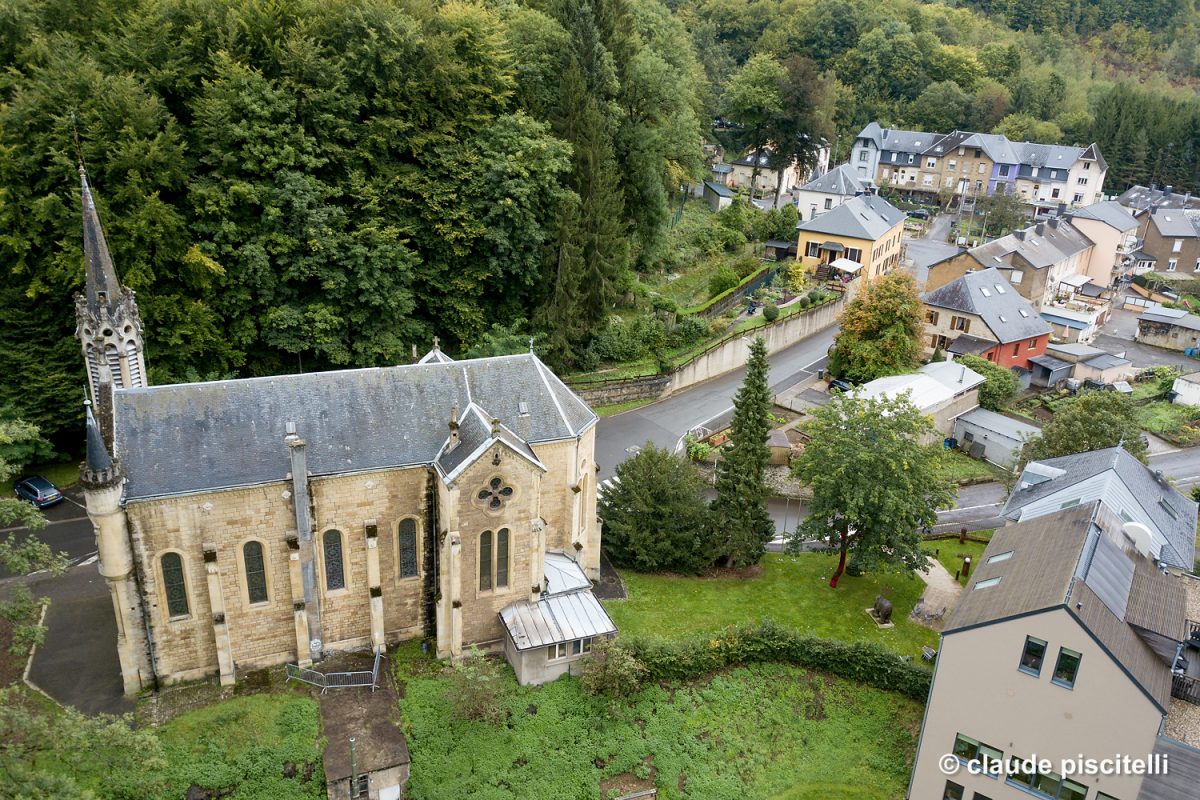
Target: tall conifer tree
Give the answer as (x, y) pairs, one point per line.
(740, 509)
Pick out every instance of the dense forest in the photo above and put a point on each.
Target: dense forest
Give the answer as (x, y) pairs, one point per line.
(297, 185)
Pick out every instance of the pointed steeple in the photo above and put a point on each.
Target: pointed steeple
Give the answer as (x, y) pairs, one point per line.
(102, 285)
(108, 325)
(98, 469)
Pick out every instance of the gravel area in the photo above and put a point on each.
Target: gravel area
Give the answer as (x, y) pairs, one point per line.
(779, 481)
(1193, 597)
(1183, 722)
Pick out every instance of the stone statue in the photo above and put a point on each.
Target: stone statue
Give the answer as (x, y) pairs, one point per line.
(883, 610)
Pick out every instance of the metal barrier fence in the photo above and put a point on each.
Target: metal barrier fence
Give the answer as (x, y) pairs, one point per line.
(337, 680)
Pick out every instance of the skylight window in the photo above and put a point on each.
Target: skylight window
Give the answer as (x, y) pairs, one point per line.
(1002, 319)
(1024, 313)
(999, 289)
(1000, 557)
(1170, 509)
(985, 584)
(985, 292)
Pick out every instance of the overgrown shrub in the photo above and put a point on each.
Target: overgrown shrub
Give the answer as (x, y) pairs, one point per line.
(477, 689)
(770, 312)
(744, 266)
(613, 671)
(722, 280)
(694, 656)
(627, 341)
(688, 331)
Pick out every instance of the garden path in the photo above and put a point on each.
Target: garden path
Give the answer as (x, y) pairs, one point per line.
(942, 591)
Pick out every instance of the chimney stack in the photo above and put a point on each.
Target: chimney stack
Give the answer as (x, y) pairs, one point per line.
(1062, 209)
(453, 428)
(1040, 229)
(1020, 235)
(1167, 190)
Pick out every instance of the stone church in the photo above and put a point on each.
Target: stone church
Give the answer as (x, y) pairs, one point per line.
(248, 523)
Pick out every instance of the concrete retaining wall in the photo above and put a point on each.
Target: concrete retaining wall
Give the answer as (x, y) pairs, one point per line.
(732, 354)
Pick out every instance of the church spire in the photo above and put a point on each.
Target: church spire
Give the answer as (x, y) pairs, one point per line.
(102, 286)
(98, 468)
(108, 325)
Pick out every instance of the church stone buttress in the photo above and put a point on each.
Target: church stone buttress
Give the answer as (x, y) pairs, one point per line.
(107, 321)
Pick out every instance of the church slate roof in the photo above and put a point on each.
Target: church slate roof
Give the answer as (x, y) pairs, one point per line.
(187, 438)
(476, 436)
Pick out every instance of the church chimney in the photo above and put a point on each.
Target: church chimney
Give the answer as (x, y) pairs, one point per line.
(453, 428)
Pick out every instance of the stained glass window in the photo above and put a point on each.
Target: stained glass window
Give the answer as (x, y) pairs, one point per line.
(335, 572)
(408, 548)
(495, 494)
(502, 558)
(174, 585)
(256, 572)
(485, 561)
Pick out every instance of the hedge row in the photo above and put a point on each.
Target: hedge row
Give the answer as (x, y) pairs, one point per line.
(865, 662)
(753, 276)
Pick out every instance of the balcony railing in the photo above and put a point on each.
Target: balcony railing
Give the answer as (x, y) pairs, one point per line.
(1186, 688)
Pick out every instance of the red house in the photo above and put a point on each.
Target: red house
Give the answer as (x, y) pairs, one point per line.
(981, 314)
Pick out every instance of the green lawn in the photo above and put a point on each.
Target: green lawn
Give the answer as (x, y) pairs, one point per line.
(1168, 419)
(61, 473)
(961, 468)
(617, 408)
(763, 731)
(951, 553)
(792, 590)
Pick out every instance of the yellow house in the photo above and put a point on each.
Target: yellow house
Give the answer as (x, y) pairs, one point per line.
(860, 237)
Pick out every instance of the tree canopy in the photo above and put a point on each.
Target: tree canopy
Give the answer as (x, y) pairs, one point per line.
(1093, 420)
(656, 516)
(999, 386)
(875, 481)
(881, 329)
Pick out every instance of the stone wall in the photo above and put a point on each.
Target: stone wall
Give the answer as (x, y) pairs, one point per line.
(725, 357)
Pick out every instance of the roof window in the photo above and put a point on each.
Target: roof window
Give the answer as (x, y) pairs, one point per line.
(984, 291)
(999, 289)
(1024, 313)
(988, 583)
(1000, 557)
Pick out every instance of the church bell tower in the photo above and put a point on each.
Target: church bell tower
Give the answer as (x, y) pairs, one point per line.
(107, 321)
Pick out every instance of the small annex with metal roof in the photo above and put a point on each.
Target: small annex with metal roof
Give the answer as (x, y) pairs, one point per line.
(544, 639)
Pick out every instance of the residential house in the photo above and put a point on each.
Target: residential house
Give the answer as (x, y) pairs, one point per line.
(972, 165)
(829, 191)
(1139, 199)
(1113, 230)
(942, 390)
(1066, 645)
(1127, 487)
(1186, 390)
(981, 314)
(992, 437)
(864, 230)
(768, 177)
(1172, 239)
(1172, 328)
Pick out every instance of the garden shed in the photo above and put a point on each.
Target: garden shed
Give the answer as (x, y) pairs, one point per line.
(546, 638)
(994, 437)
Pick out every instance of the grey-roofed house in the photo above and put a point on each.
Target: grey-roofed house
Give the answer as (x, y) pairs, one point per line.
(866, 229)
(1172, 239)
(1065, 644)
(992, 437)
(1125, 486)
(983, 305)
(829, 191)
(1139, 198)
(1036, 259)
(243, 524)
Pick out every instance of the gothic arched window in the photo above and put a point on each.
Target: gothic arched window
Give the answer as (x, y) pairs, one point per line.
(502, 558)
(407, 555)
(335, 571)
(485, 561)
(174, 585)
(256, 572)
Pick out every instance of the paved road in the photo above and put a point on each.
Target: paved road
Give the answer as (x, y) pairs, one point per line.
(1117, 336)
(930, 248)
(663, 423)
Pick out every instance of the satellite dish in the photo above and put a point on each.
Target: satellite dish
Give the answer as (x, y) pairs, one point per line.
(1140, 536)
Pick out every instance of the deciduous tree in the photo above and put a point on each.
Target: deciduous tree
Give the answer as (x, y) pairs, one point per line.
(875, 482)
(1093, 420)
(999, 387)
(881, 329)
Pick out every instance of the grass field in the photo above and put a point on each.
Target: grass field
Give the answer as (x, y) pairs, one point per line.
(792, 590)
(61, 473)
(961, 468)
(764, 731)
(951, 553)
(618, 408)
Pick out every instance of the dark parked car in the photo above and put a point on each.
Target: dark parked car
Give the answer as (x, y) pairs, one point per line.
(39, 491)
(919, 213)
(840, 385)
